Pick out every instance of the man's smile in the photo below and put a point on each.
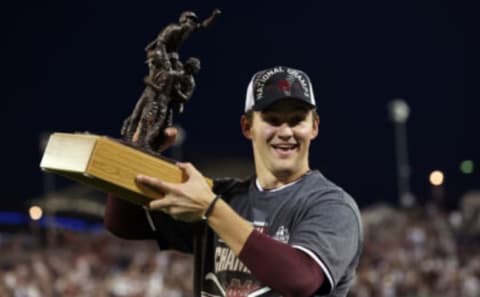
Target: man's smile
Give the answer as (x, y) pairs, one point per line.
(285, 149)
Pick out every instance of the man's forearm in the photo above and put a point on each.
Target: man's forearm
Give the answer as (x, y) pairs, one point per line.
(125, 219)
(230, 226)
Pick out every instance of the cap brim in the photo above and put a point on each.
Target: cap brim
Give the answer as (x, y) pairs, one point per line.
(265, 103)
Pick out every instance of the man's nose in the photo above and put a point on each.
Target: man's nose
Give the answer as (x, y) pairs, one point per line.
(285, 131)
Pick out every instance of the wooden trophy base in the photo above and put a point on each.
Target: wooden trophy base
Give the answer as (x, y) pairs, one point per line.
(107, 164)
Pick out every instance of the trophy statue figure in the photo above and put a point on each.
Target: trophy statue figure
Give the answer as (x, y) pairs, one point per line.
(168, 85)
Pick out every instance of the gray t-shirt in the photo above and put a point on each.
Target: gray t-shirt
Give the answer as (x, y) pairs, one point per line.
(312, 214)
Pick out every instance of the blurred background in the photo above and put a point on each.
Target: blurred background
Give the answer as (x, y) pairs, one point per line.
(397, 87)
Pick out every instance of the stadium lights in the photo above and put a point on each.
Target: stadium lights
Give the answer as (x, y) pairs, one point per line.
(436, 178)
(399, 112)
(35, 213)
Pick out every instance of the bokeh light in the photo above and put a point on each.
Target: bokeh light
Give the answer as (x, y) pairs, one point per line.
(466, 167)
(35, 213)
(436, 178)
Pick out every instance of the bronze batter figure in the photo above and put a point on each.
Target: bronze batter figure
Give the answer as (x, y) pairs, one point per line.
(168, 86)
(174, 89)
(162, 97)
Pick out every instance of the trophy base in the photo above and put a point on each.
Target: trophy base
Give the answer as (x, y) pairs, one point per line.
(108, 165)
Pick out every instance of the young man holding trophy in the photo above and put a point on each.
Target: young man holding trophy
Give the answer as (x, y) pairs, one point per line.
(286, 231)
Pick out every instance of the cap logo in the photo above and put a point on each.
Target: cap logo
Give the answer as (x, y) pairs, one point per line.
(284, 86)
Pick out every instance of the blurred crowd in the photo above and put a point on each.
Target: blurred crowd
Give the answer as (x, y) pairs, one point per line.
(407, 253)
(421, 252)
(93, 265)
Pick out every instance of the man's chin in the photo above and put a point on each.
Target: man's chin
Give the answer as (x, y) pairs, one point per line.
(283, 172)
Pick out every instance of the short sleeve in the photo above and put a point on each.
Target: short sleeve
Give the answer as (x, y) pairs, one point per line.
(329, 231)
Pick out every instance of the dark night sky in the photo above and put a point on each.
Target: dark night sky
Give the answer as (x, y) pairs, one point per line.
(78, 65)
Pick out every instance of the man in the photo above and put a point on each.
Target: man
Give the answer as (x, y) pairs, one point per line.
(287, 231)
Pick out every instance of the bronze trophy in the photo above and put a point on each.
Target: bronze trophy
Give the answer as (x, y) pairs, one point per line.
(110, 164)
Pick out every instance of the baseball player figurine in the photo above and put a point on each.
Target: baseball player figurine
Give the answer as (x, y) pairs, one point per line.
(286, 231)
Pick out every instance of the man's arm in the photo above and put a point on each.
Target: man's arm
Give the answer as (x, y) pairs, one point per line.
(126, 220)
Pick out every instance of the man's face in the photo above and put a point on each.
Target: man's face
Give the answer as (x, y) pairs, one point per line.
(281, 137)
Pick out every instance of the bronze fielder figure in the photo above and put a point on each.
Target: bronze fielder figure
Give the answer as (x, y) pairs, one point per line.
(168, 42)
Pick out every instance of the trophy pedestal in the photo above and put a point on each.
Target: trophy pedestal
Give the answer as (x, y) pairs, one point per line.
(108, 165)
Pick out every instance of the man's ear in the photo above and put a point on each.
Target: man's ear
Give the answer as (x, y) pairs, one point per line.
(316, 124)
(246, 125)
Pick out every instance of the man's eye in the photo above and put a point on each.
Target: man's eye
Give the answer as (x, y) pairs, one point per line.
(274, 121)
(295, 120)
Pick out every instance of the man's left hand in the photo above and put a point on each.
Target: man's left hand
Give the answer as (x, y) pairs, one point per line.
(185, 201)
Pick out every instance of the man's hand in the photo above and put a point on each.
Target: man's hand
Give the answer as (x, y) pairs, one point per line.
(183, 201)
